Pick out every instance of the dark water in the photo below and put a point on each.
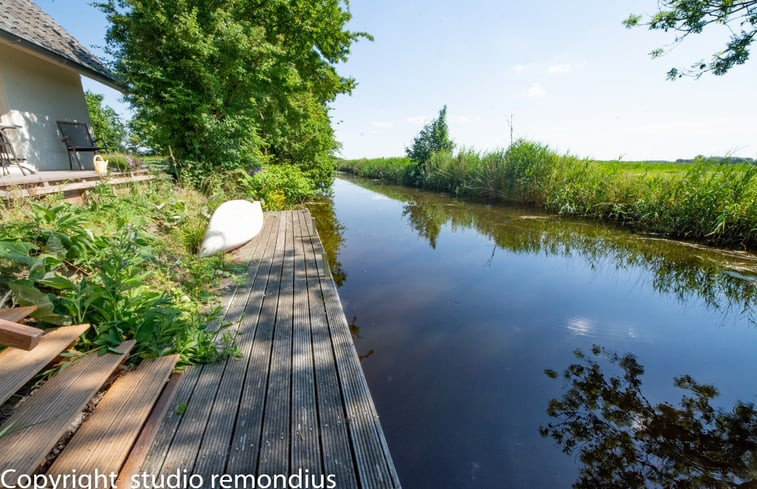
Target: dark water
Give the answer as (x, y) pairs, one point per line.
(459, 308)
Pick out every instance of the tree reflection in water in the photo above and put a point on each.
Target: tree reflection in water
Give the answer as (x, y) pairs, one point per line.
(725, 280)
(625, 441)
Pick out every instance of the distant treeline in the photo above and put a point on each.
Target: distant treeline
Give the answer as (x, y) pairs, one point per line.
(707, 200)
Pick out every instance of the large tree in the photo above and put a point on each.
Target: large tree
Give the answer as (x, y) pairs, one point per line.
(234, 83)
(687, 17)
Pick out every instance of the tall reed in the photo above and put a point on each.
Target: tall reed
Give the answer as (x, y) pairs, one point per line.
(711, 202)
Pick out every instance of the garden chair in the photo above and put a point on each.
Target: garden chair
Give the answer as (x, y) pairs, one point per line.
(7, 153)
(78, 138)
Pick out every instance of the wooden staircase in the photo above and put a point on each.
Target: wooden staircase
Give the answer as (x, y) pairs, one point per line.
(103, 442)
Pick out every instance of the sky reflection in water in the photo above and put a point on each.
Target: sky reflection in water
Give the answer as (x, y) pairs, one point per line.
(458, 308)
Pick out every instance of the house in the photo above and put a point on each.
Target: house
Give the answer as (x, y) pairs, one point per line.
(40, 68)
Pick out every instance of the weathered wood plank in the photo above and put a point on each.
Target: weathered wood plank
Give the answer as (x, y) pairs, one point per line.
(305, 435)
(17, 367)
(274, 454)
(104, 440)
(335, 441)
(35, 427)
(246, 441)
(19, 336)
(149, 432)
(16, 314)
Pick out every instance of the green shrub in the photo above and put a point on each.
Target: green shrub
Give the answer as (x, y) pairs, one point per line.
(277, 186)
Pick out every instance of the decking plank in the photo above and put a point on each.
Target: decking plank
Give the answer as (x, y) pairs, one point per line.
(274, 450)
(335, 442)
(104, 440)
(305, 435)
(149, 432)
(19, 336)
(37, 425)
(246, 441)
(16, 314)
(17, 367)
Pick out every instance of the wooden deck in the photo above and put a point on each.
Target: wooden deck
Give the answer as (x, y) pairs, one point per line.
(295, 401)
(72, 184)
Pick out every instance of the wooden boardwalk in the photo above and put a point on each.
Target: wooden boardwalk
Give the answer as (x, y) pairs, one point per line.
(296, 401)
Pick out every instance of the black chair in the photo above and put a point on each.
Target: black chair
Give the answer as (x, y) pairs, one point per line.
(78, 138)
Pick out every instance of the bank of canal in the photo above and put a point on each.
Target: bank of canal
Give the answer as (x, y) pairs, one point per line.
(457, 309)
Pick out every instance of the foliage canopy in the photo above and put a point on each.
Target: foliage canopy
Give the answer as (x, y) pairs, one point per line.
(686, 17)
(227, 84)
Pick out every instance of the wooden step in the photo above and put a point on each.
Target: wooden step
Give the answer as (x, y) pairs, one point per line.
(17, 367)
(18, 335)
(142, 445)
(37, 425)
(104, 440)
(16, 314)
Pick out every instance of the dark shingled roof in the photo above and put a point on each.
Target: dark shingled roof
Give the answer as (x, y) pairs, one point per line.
(24, 24)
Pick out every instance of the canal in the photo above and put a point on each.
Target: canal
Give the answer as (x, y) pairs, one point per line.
(457, 309)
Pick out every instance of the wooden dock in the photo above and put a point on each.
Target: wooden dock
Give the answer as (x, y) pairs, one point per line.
(295, 402)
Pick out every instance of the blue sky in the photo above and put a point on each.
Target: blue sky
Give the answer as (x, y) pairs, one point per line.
(570, 74)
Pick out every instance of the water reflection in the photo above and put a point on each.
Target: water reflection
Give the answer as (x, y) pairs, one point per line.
(465, 304)
(725, 280)
(624, 441)
(330, 231)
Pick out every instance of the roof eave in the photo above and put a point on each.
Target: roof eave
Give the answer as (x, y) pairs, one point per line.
(53, 57)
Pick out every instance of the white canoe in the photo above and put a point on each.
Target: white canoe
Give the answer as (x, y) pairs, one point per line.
(234, 223)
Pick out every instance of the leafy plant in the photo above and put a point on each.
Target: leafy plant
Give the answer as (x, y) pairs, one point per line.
(117, 264)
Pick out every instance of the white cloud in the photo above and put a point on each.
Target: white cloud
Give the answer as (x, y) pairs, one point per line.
(536, 90)
(560, 68)
(519, 68)
(382, 124)
(417, 120)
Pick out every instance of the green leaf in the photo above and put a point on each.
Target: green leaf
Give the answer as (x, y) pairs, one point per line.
(54, 246)
(26, 294)
(56, 281)
(17, 251)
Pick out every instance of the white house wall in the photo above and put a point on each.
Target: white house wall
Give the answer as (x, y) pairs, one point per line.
(34, 94)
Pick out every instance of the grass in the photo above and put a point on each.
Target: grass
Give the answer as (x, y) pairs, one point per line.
(705, 201)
